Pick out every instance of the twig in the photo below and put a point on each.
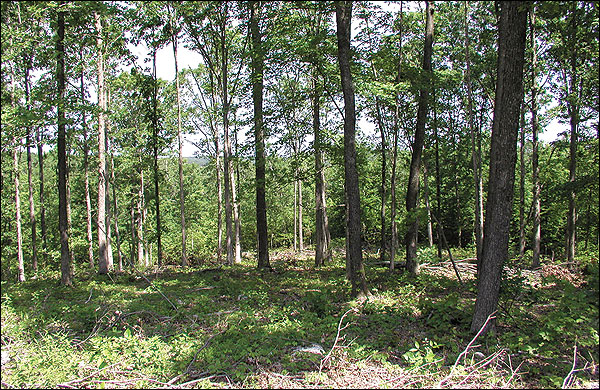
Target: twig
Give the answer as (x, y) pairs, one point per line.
(90, 297)
(69, 383)
(568, 378)
(335, 341)
(189, 366)
(490, 317)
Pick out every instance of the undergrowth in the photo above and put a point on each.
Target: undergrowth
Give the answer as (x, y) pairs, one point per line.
(296, 327)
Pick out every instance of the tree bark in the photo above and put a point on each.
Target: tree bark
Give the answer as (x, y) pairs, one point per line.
(259, 135)
(300, 228)
(65, 256)
(475, 156)
(412, 263)
(184, 261)
(537, 231)
(427, 207)
(509, 96)
(155, 150)
(354, 261)
(574, 122)
(522, 185)
(34, 252)
(20, 262)
(103, 260)
(88, 201)
(394, 205)
(116, 214)
(40, 150)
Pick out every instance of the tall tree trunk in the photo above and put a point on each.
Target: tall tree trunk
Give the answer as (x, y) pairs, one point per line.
(259, 135)
(395, 151)
(574, 122)
(295, 215)
(155, 150)
(107, 148)
(88, 201)
(34, 256)
(219, 198)
(184, 261)
(438, 180)
(383, 177)
(475, 156)
(103, 260)
(522, 185)
(509, 95)
(300, 218)
(20, 262)
(322, 250)
(140, 220)
(427, 207)
(42, 198)
(65, 256)
(354, 261)
(412, 263)
(537, 231)
(116, 214)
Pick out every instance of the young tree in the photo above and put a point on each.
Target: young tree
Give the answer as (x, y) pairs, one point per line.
(537, 231)
(259, 135)
(65, 256)
(509, 95)
(354, 263)
(412, 263)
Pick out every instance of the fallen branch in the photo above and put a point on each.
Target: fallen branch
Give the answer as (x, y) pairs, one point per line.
(74, 381)
(335, 341)
(568, 378)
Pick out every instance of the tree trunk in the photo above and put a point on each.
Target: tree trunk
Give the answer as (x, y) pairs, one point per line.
(103, 260)
(295, 215)
(88, 202)
(322, 250)
(219, 199)
(475, 156)
(412, 263)
(34, 256)
(140, 220)
(40, 150)
(65, 256)
(574, 122)
(395, 152)
(116, 214)
(522, 186)
(438, 180)
(509, 95)
(155, 150)
(259, 135)
(537, 231)
(184, 261)
(300, 227)
(107, 148)
(428, 208)
(354, 262)
(20, 263)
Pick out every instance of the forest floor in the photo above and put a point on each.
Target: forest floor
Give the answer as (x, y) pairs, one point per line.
(237, 327)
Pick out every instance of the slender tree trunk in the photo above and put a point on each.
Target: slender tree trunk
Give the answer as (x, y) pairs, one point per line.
(475, 157)
(509, 96)
(184, 261)
(412, 263)
(427, 207)
(103, 260)
(574, 122)
(237, 223)
(522, 185)
(295, 215)
(42, 198)
(219, 199)
(438, 180)
(383, 177)
(537, 231)
(155, 150)
(259, 135)
(116, 212)
(20, 262)
(88, 201)
(34, 256)
(65, 256)
(354, 261)
(140, 221)
(132, 230)
(395, 152)
(300, 218)
(108, 153)
(322, 250)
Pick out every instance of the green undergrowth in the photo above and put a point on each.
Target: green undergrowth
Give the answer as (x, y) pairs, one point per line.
(241, 327)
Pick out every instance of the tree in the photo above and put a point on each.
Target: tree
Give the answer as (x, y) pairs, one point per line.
(412, 263)
(259, 136)
(354, 263)
(509, 95)
(66, 271)
(104, 264)
(537, 218)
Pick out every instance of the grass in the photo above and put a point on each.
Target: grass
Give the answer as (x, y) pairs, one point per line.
(238, 327)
